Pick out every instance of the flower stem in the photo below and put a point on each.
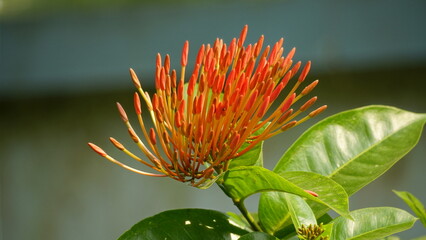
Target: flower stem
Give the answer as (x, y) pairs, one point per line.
(247, 215)
(240, 205)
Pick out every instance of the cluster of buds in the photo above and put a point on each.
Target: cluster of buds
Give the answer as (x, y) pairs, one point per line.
(201, 125)
(311, 232)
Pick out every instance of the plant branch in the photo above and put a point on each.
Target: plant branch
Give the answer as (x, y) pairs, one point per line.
(240, 205)
(247, 215)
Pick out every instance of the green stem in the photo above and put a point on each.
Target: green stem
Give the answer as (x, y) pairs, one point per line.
(247, 215)
(240, 205)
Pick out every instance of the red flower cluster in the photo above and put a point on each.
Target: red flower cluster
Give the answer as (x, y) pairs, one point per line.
(199, 127)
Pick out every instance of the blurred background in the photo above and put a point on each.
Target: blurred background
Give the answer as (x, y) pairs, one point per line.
(64, 64)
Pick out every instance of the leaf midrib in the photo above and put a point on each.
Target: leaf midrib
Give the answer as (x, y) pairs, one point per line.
(410, 223)
(372, 146)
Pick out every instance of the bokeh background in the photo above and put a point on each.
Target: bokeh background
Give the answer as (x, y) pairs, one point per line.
(65, 63)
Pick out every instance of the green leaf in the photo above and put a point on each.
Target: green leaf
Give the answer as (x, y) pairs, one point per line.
(328, 229)
(257, 236)
(372, 223)
(254, 157)
(241, 182)
(414, 204)
(324, 219)
(185, 224)
(239, 220)
(274, 215)
(300, 212)
(355, 147)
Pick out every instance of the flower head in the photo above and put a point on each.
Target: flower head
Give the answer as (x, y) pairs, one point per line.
(201, 125)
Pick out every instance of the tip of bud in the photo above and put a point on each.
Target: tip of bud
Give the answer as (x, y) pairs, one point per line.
(318, 111)
(158, 60)
(288, 125)
(116, 143)
(312, 193)
(305, 71)
(309, 88)
(264, 107)
(97, 149)
(135, 78)
(184, 58)
(243, 36)
(288, 103)
(137, 103)
(152, 137)
(308, 104)
(291, 54)
(123, 114)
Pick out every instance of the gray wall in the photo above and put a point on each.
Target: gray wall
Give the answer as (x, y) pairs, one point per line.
(62, 73)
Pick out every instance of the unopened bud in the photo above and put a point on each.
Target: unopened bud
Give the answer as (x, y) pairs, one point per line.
(152, 137)
(308, 104)
(97, 149)
(305, 71)
(243, 36)
(310, 87)
(317, 111)
(135, 79)
(285, 116)
(184, 58)
(312, 193)
(123, 114)
(116, 143)
(137, 103)
(263, 107)
(133, 135)
(288, 125)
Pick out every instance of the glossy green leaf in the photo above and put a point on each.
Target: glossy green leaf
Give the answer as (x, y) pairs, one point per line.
(241, 182)
(185, 224)
(257, 236)
(372, 223)
(414, 204)
(274, 215)
(328, 229)
(300, 212)
(239, 220)
(355, 147)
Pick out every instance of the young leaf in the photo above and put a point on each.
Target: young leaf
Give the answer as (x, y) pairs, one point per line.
(414, 204)
(274, 215)
(300, 212)
(328, 229)
(185, 224)
(372, 223)
(355, 147)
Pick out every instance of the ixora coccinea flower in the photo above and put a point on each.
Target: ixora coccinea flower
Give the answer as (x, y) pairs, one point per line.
(201, 125)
